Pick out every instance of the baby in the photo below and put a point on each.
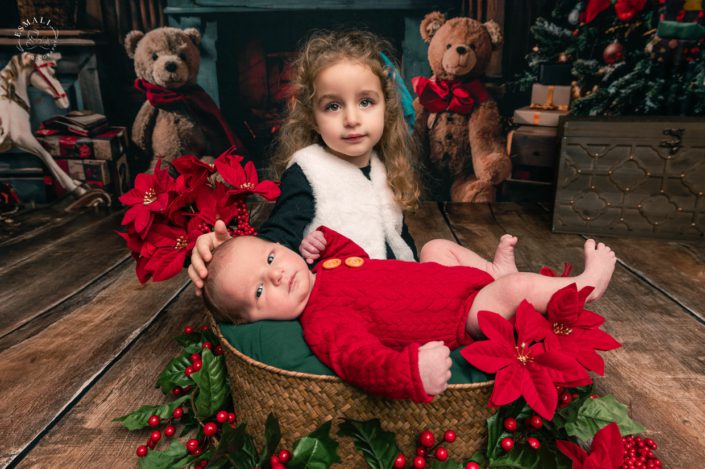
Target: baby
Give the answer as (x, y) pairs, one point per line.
(386, 326)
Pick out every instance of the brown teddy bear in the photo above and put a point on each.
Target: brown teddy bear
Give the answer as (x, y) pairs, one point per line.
(458, 123)
(178, 117)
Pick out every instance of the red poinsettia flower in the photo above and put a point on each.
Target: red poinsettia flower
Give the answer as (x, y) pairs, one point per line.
(606, 450)
(594, 8)
(521, 369)
(214, 204)
(149, 196)
(575, 330)
(171, 246)
(192, 168)
(244, 180)
(627, 9)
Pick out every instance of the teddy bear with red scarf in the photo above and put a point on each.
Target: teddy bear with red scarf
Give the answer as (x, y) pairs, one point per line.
(178, 118)
(457, 122)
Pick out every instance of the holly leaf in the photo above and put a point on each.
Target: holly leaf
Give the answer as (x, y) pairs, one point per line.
(138, 419)
(164, 459)
(520, 410)
(187, 339)
(272, 436)
(447, 464)
(236, 448)
(596, 413)
(377, 446)
(173, 375)
(315, 451)
(212, 386)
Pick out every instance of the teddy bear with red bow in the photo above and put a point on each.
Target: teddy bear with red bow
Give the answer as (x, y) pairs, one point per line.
(458, 123)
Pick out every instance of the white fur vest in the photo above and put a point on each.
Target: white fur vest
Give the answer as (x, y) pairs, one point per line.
(346, 201)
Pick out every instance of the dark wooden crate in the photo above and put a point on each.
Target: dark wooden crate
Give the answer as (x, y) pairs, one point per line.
(635, 176)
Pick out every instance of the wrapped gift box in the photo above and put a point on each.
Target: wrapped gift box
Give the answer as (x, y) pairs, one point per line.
(550, 97)
(529, 116)
(106, 145)
(111, 176)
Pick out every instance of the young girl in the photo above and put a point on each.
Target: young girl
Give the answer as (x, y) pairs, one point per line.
(347, 153)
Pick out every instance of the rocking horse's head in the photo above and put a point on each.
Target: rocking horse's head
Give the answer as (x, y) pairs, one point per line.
(167, 57)
(43, 76)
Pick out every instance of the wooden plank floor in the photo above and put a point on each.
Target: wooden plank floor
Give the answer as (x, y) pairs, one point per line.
(81, 342)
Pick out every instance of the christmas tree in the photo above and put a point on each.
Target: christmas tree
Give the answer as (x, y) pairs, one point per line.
(626, 57)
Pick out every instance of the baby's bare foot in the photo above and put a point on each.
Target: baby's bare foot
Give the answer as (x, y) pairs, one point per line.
(503, 262)
(599, 266)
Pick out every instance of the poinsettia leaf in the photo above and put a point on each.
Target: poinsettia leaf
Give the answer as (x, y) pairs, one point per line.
(317, 450)
(173, 374)
(138, 419)
(164, 459)
(447, 464)
(272, 436)
(596, 413)
(212, 385)
(378, 447)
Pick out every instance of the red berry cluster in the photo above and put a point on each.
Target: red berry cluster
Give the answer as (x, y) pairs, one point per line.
(243, 220)
(278, 461)
(193, 445)
(565, 397)
(511, 425)
(428, 448)
(639, 453)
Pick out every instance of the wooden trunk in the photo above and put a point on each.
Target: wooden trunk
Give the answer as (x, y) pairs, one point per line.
(635, 176)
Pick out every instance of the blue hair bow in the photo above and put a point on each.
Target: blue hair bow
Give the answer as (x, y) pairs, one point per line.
(404, 95)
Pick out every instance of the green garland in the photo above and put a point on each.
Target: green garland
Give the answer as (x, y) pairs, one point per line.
(202, 403)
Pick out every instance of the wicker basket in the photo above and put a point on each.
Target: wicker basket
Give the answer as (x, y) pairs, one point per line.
(62, 13)
(303, 401)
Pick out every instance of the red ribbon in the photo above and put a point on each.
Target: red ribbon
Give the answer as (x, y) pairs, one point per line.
(195, 98)
(446, 95)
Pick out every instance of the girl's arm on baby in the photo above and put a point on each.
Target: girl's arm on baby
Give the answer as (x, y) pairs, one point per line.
(201, 254)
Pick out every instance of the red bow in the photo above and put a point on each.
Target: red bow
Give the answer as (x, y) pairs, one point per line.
(446, 95)
(195, 98)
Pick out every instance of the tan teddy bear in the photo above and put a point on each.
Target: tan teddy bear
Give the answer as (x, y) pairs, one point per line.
(178, 117)
(458, 123)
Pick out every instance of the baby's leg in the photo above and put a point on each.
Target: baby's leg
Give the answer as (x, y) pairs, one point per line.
(452, 254)
(504, 295)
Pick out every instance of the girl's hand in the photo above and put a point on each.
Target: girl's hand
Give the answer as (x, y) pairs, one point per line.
(434, 367)
(201, 254)
(312, 246)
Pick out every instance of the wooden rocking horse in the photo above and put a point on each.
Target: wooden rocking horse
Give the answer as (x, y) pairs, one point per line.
(22, 71)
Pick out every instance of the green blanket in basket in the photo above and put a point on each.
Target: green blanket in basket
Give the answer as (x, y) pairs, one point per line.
(281, 344)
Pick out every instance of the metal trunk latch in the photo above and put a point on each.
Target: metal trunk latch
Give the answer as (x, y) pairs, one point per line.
(674, 144)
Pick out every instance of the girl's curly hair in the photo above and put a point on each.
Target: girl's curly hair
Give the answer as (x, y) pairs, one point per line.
(395, 149)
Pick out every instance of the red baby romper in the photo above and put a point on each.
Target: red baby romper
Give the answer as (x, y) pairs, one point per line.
(366, 318)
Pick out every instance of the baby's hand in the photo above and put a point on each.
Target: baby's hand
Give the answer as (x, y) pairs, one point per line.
(434, 367)
(201, 253)
(312, 246)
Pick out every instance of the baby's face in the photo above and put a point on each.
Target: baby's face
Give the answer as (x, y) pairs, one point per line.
(270, 280)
